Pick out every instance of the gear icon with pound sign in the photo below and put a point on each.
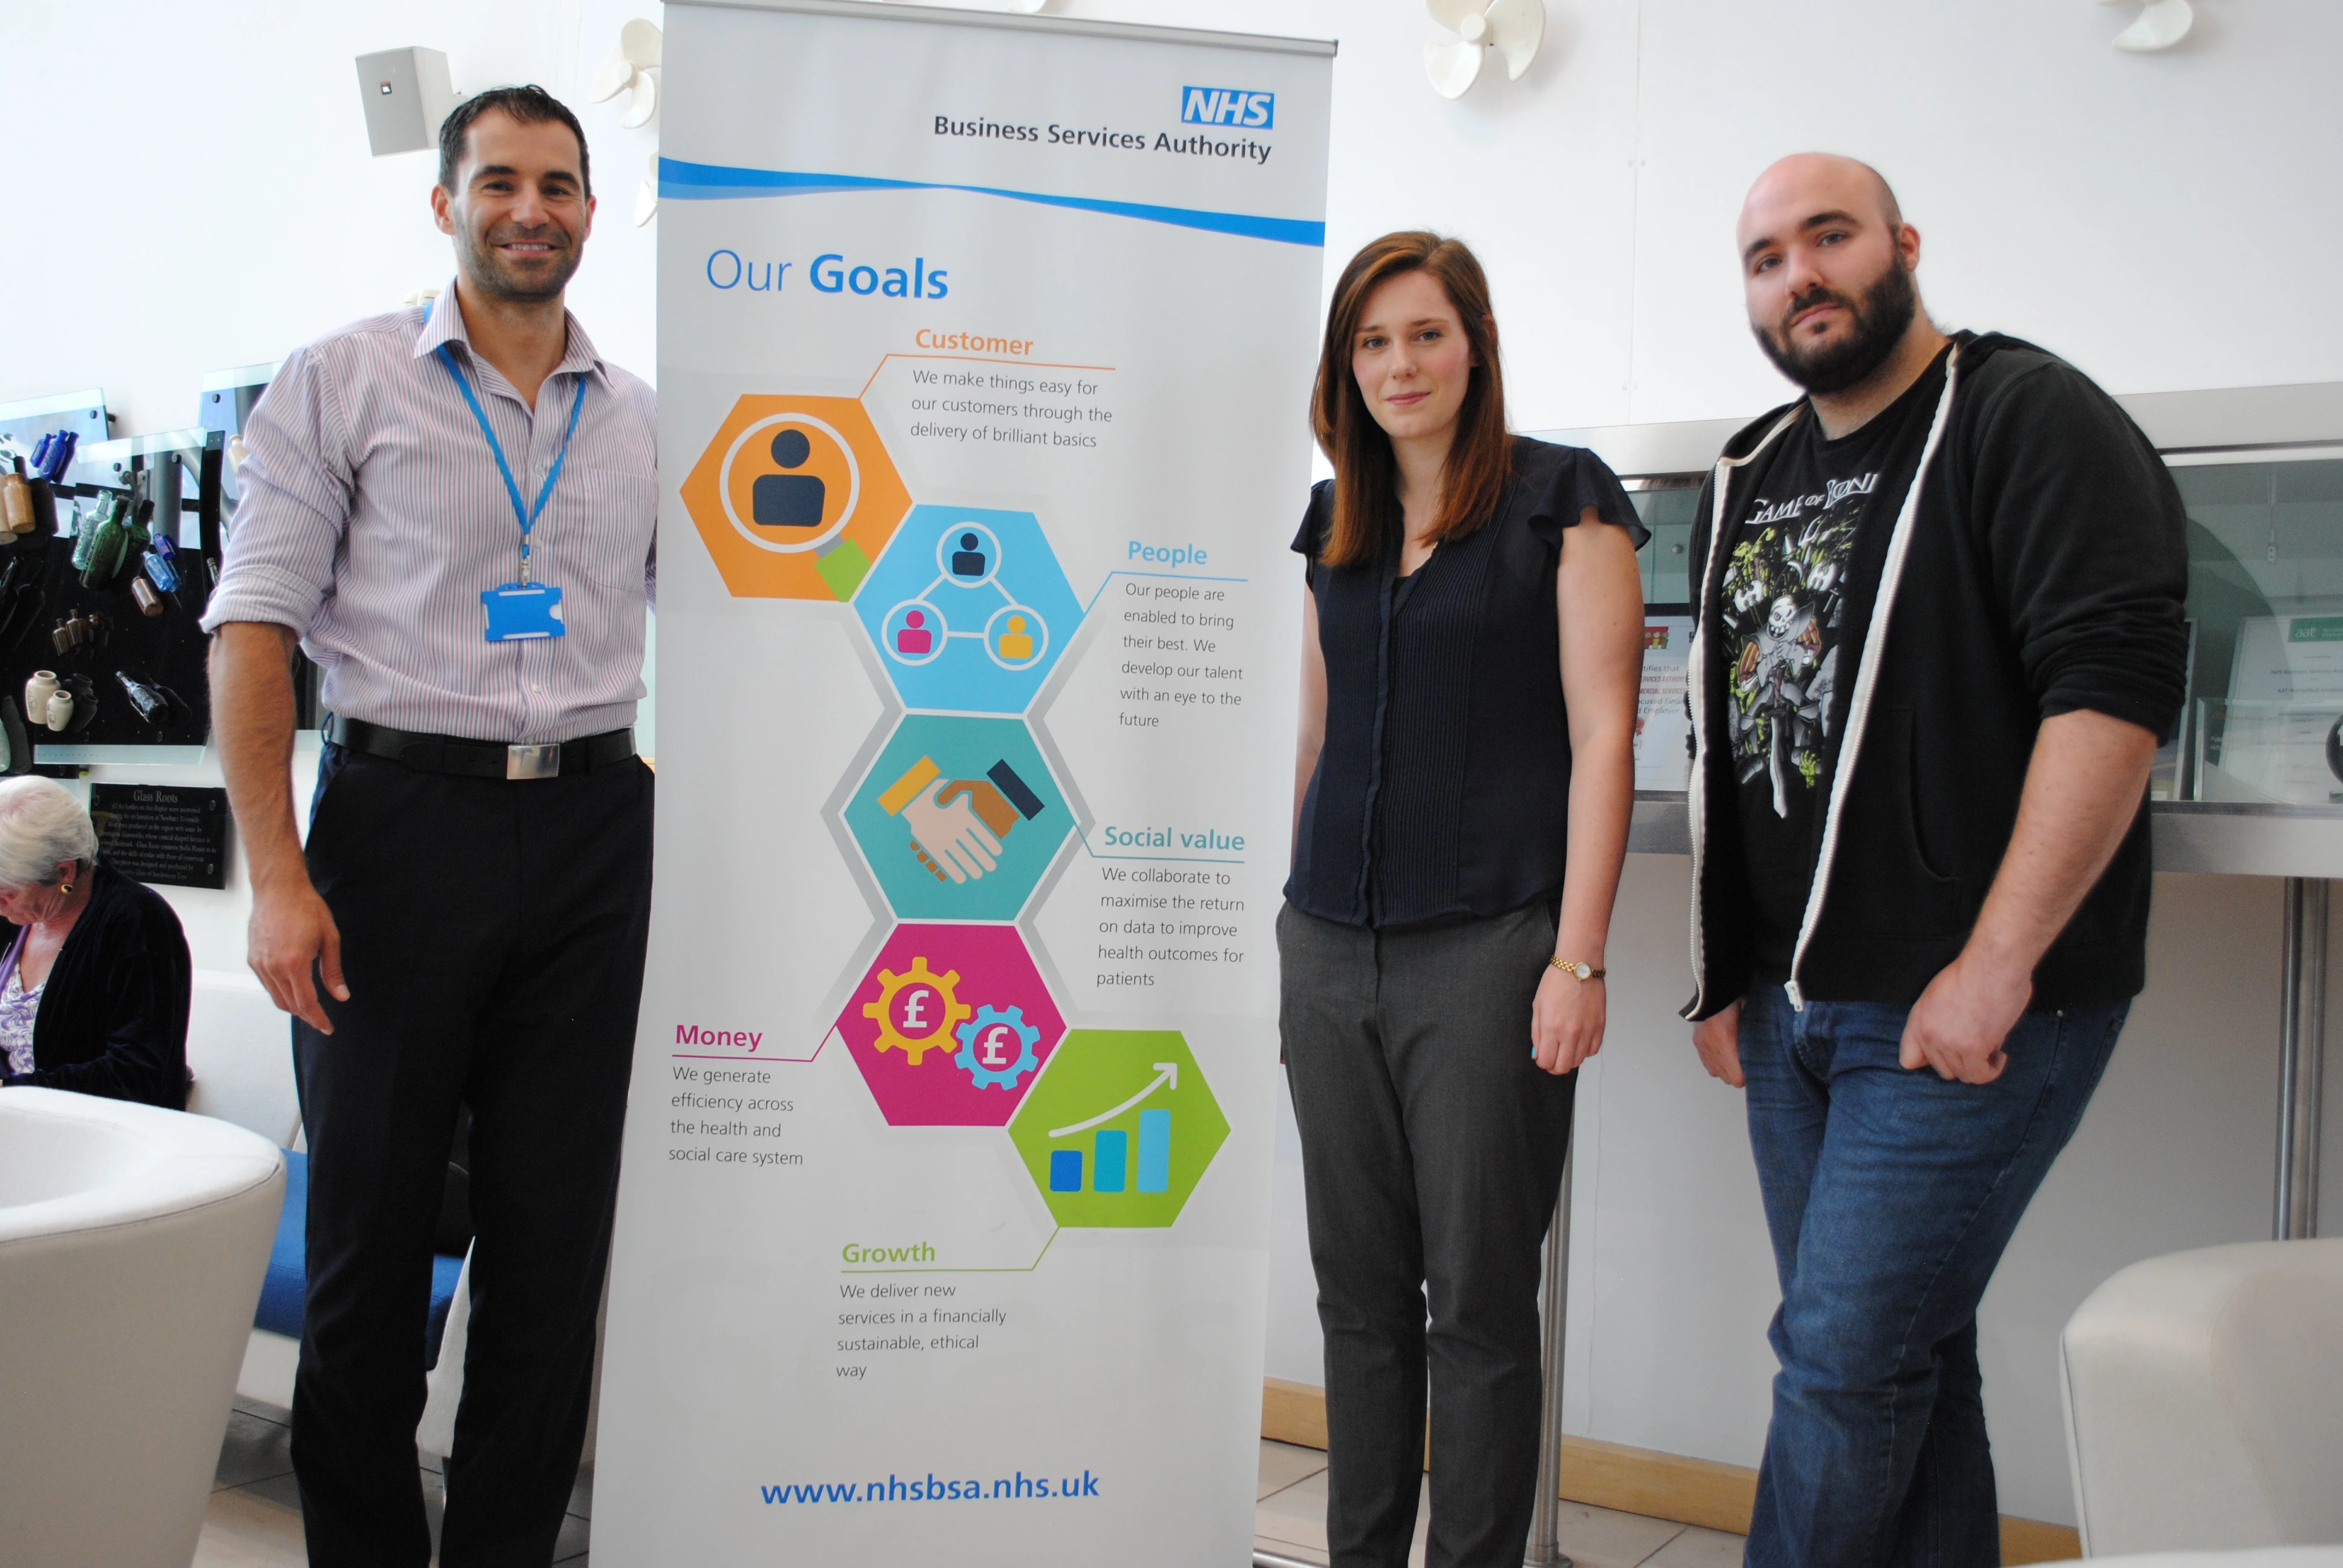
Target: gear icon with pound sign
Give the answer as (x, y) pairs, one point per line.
(986, 1043)
(916, 1010)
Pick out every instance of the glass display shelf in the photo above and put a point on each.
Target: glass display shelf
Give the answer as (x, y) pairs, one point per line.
(2266, 753)
(2265, 622)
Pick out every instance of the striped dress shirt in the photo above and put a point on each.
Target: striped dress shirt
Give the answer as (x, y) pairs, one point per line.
(373, 517)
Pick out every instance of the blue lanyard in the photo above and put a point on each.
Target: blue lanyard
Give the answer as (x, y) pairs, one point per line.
(526, 516)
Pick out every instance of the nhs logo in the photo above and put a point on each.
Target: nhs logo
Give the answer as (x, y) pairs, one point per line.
(1228, 107)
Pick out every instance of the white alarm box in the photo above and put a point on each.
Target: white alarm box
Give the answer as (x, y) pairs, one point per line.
(406, 95)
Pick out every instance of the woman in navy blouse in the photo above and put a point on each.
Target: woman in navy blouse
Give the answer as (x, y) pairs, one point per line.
(1471, 650)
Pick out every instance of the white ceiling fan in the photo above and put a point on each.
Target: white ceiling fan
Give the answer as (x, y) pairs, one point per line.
(628, 70)
(2160, 25)
(1513, 28)
(647, 193)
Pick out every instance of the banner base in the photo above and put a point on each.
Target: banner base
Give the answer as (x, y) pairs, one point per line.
(1266, 1559)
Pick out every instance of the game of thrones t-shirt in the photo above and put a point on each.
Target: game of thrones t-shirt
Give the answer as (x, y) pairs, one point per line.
(1784, 594)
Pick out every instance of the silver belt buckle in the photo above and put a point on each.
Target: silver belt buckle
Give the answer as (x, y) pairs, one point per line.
(532, 761)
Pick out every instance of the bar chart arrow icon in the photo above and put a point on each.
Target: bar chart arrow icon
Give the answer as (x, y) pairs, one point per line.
(1167, 1076)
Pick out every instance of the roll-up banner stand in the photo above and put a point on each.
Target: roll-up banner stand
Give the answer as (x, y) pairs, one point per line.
(985, 350)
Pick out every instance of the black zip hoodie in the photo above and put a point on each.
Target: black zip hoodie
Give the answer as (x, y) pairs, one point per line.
(2036, 566)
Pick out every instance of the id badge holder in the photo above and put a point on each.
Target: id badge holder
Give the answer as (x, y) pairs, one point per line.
(518, 611)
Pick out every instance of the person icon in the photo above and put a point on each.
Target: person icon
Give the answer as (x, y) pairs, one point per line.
(789, 500)
(915, 640)
(1016, 644)
(967, 561)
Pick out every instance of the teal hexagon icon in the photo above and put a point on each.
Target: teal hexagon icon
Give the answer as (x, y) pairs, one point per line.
(1119, 1128)
(959, 818)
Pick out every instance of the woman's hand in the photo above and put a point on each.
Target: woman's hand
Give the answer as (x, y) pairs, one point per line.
(1565, 1021)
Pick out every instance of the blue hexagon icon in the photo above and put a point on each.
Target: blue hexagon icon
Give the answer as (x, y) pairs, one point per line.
(969, 609)
(959, 818)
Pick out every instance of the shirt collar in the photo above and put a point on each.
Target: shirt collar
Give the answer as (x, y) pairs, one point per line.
(444, 322)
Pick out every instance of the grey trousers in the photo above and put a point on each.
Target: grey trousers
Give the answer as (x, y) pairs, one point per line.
(1432, 1149)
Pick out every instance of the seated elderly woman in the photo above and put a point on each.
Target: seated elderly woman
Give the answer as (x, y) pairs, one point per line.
(95, 997)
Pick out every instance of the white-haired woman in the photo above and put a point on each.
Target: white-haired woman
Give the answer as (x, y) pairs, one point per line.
(95, 997)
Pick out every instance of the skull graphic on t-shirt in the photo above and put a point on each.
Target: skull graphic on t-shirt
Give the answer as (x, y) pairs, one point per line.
(1783, 601)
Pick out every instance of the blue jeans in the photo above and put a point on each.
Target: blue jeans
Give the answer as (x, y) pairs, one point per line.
(1890, 1196)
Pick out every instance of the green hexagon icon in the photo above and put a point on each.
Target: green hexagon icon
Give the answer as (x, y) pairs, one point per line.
(1119, 1127)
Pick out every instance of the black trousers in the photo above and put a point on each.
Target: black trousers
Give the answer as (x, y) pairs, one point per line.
(492, 938)
(1432, 1152)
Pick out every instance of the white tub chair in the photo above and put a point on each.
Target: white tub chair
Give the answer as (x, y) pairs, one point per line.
(240, 1069)
(132, 1242)
(240, 1057)
(2204, 1402)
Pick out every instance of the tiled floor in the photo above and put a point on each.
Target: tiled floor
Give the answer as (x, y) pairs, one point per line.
(1291, 1521)
(255, 1520)
(256, 1512)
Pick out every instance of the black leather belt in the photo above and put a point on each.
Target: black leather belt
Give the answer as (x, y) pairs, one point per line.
(480, 758)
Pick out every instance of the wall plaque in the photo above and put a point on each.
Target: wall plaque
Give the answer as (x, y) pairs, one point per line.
(163, 832)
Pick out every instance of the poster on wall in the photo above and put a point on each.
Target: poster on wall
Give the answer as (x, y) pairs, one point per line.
(985, 349)
(1663, 726)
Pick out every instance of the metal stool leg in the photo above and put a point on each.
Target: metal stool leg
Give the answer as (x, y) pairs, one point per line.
(2302, 1049)
(1544, 1547)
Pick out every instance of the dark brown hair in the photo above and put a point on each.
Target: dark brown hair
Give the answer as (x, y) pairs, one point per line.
(531, 105)
(1367, 490)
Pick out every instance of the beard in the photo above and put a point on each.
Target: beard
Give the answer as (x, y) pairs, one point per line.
(1881, 316)
(498, 276)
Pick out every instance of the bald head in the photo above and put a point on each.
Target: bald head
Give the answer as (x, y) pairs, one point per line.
(1805, 185)
(1826, 264)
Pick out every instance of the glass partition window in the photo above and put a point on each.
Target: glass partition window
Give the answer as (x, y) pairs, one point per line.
(1667, 504)
(2264, 718)
(2263, 722)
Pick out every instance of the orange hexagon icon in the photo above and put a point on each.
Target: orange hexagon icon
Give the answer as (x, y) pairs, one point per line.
(795, 497)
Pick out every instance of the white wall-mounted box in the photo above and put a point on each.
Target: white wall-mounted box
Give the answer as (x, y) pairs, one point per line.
(406, 94)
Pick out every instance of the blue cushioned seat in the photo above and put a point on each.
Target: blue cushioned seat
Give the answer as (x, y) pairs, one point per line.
(282, 1291)
(284, 1284)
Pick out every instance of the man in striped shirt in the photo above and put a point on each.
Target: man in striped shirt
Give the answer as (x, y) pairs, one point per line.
(452, 510)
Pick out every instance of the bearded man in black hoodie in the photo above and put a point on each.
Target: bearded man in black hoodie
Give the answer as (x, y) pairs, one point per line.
(1940, 631)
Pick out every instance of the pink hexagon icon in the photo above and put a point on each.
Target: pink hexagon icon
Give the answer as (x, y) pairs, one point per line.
(950, 1025)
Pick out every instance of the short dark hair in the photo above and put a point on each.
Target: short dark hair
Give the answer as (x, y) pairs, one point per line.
(531, 105)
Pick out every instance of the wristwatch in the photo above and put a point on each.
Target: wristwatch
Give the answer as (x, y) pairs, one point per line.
(1581, 971)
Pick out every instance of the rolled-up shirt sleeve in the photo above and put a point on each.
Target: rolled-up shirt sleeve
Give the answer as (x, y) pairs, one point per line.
(298, 479)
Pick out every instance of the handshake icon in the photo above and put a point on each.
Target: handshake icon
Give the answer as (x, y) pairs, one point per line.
(957, 824)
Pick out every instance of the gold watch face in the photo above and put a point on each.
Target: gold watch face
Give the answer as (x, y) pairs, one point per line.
(1583, 971)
